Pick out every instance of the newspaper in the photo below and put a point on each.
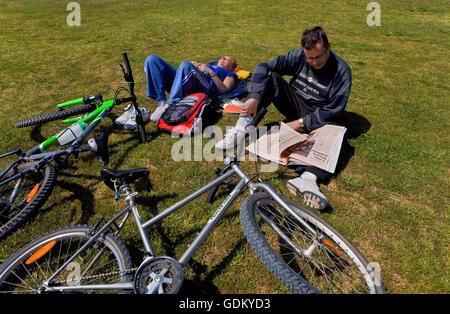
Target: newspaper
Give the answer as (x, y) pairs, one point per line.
(285, 146)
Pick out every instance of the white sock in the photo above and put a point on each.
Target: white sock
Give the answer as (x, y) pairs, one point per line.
(243, 122)
(161, 103)
(309, 176)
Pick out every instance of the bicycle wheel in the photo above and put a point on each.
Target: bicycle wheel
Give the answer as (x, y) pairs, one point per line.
(58, 115)
(22, 197)
(105, 260)
(328, 261)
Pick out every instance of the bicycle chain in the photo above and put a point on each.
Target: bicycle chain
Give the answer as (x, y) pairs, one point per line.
(124, 272)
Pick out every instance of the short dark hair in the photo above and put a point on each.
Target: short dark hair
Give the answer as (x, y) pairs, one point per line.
(312, 36)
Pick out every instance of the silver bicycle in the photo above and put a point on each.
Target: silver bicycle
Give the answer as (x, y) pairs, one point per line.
(300, 248)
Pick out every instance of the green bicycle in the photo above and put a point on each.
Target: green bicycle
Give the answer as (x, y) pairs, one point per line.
(27, 182)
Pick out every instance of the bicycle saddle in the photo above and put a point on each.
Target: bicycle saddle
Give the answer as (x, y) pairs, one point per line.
(123, 176)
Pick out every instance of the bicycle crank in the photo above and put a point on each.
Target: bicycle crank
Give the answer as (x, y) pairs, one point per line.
(161, 274)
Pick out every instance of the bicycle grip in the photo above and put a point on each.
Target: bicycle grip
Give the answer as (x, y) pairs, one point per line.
(127, 63)
(70, 103)
(259, 116)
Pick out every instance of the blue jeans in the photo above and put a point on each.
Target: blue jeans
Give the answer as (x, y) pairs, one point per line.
(162, 77)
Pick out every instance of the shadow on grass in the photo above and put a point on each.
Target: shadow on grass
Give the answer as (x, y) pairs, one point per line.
(36, 135)
(79, 193)
(131, 145)
(204, 284)
(203, 280)
(356, 124)
(212, 114)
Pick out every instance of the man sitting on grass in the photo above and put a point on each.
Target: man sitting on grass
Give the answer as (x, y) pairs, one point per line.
(316, 95)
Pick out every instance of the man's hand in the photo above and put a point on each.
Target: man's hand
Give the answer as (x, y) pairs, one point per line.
(295, 125)
(202, 67)
(249, 108)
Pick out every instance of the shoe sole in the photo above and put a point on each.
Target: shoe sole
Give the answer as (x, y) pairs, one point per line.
(311, 199)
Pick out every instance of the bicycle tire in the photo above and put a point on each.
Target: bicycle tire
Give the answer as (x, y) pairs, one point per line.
(26, 269)
(332, 265)
(33, 191)
(57, 115)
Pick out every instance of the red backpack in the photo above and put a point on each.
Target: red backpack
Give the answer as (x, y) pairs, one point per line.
(184, 117)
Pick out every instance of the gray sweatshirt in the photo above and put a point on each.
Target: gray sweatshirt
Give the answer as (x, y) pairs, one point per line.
(324, 91)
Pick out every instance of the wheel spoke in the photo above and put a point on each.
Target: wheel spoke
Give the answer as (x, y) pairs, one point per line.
(20, 197)
(314, 251)
(102, 263)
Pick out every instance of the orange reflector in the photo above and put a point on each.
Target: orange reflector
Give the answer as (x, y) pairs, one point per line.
(331, 246)
(41, 252)
(33, 193)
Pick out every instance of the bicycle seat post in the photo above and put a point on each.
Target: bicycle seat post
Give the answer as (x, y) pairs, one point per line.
(129, 198)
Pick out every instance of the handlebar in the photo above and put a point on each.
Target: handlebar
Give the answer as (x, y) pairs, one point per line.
(259, 116)
(120, 101)
(127, 65)
(128, 74)
(85, 100)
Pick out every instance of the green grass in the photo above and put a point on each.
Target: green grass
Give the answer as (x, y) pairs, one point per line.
(391, 196)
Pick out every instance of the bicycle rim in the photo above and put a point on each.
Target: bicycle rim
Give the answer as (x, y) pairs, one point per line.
(105, 261)
(328, 261)
(20, 198)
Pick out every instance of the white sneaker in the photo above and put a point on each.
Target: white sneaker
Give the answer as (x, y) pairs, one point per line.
(307, 188)
(232, 138)
(236, 135)
(158, 113)
(127, 113)
(131, 123)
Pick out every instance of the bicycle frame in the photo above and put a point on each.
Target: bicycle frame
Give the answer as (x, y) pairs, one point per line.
(103, 109)
(132, 208)
(71, 138)
(36, 153)
(92, 118)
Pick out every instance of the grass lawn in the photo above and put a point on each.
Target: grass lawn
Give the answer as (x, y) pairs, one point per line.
(390, 196)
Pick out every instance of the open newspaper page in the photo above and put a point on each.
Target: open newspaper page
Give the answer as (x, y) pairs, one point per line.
(286, 146)
(320, 149)
(270, 145)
